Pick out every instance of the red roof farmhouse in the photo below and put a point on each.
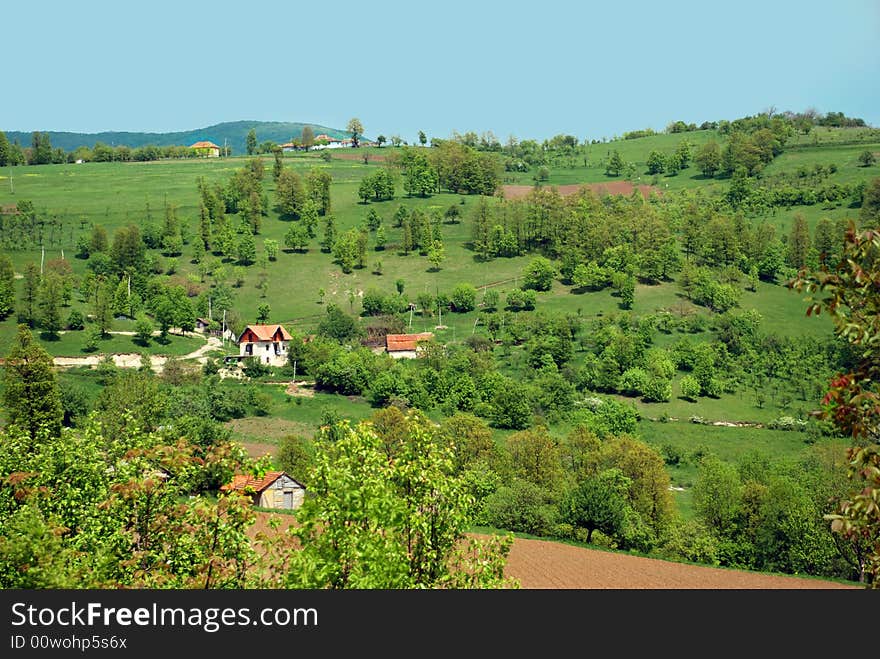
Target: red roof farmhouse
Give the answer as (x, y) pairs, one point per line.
(206, 149)
(268, 343)
(405, 345)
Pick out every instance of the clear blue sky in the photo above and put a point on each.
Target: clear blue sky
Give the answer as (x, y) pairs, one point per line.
(531, 69)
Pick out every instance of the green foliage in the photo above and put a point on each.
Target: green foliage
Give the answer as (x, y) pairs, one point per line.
(30, 392)
(463, 298)
(538, 274)
(400, 524)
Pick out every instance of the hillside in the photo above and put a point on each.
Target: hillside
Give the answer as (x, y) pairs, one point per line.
(232, 132)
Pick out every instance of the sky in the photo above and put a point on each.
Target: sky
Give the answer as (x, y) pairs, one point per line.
(527, 69)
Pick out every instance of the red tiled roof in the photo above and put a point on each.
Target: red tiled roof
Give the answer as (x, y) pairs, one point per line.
(266, 332)
(241, 481)
(398, 342)
(204, 145)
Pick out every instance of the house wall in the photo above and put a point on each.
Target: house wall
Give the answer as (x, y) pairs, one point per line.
(273, 496)
(265, 351)
(403, 354)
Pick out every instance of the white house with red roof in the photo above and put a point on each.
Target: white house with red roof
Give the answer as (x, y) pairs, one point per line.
(405, 346)
(268, 343)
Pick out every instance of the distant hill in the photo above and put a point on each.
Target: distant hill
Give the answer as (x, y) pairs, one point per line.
(233, 132)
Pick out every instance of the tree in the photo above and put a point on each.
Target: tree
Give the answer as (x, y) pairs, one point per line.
(852, 402)
(263, 312)
(27, 311)
(102, 307)
(436, 254)
(356, 128)
(251, 142)
(402, 524)
(597, 504)
(270, 245)
(290, 193)
(7, 287)
(539, 274)
(381, 140)
(798, 242)
(689, 387)
(464, 298)
(869, 215)
(143, 330)
(656, 163)
(247, 250)
(50, 303)
(307, 137)
(708, 158)
(867, 158)
(615, 164)
(423, 139)
(30, 394)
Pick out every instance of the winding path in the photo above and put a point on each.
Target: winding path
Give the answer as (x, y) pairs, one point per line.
(133, 359)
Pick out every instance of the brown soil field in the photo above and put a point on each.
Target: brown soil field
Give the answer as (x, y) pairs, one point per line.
(609, 188)
(540, 564)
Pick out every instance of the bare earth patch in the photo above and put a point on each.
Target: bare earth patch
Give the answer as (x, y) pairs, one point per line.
(610, 188)
(539, 564)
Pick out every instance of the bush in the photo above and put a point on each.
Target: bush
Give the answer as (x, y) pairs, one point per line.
(522, 506)
(75, 321)
(787, 423)
(254, 368)
(464, 298)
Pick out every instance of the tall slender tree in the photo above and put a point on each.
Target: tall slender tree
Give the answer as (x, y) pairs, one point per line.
(30, 394)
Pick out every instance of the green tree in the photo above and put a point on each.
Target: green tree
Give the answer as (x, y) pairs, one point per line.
(597, 504)
(869, 215)
(251, 142)
(30, 292)
(143, 330)
(852, 403)
(867, 158)
(539, 274)
(464, 298)
(271, 247)
(30, 395)
(102, 307)
(402, 526)
(798, 242)
(247, 250)
(290, 193)
(708, 158)
(50, 303)
(656, 163)
(7, 287)
(615, 164)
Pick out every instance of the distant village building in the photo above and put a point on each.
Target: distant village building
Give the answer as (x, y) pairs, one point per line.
(324, 141)
(203, 325)
(274, 490)
(268, 343)
(405, 346)
(206, 149)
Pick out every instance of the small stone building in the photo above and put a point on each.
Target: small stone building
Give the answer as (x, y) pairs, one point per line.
(274, 490)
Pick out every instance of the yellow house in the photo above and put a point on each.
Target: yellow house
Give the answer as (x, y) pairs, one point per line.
(206, 149)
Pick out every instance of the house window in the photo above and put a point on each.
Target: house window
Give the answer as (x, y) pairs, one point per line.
(267, 346)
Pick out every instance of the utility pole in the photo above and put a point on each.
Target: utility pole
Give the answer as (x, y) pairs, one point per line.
(209, 308)
(223, 330)
(42, 257)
